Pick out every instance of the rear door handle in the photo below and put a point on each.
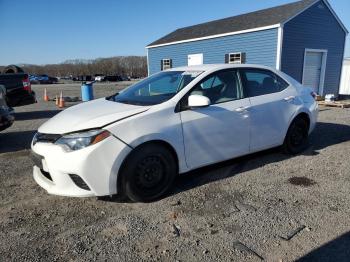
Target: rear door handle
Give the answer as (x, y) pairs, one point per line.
(289, 98)
(242, 109)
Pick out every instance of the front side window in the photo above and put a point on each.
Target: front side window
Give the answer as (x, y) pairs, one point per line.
(219, 87)
(257, 82)
(156, 89)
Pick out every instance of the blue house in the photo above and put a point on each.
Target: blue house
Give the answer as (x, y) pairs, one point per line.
(304, 39)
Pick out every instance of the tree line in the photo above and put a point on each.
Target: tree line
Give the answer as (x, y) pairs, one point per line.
(132, 66)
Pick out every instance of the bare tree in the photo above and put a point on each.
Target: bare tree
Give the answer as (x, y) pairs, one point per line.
(132, 66)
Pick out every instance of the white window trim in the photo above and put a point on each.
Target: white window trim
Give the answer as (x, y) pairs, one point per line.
(164, 59)
(235, 53)
(323, 67)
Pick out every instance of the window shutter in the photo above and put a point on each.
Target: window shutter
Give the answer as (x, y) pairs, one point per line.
(227, 58)
(243, 58)
(171, 63)
(161, 65)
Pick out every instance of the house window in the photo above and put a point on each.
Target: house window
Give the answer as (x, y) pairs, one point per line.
(235, 58)
(166, 64)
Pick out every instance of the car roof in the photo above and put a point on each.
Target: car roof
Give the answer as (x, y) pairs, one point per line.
(214, 67)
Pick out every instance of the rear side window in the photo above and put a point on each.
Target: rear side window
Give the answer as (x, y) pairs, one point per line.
(257, 82)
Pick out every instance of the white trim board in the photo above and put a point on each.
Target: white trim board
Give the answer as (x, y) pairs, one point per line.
(279, 48)
(323, 67)
(218, 35)
(147, 62)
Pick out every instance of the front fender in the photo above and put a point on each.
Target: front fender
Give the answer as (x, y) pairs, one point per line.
(176, 144)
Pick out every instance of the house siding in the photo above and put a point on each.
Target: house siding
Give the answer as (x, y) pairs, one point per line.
(315, 28)
(260, 48)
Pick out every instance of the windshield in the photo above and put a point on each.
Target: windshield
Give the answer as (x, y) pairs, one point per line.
(156, 89)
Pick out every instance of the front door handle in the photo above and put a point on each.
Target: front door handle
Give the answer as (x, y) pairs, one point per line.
(289, 98)
(242, 109)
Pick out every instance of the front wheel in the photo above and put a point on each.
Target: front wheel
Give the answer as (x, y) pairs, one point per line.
(297, 136)
(148, 173)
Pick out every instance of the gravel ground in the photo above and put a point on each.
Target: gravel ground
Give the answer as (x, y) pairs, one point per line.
(266, 206)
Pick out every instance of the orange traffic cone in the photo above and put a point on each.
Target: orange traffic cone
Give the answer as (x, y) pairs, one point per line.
(61, 101)
(57, 100)
(46, 97)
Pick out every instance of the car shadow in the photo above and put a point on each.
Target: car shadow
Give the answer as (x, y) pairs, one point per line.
(35, 115)
(324, 135)
(335, 250)
(15, 141)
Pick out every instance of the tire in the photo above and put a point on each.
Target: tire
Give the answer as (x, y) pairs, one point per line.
(148, 173)
(13, 69)
(297, 137)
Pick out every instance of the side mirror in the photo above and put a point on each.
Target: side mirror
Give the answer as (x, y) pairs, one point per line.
(198, 101)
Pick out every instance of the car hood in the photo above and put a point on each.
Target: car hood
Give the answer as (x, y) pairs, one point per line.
(93, 114)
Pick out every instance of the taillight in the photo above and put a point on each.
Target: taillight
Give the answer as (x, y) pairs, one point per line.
(26, 84)
(314, 95)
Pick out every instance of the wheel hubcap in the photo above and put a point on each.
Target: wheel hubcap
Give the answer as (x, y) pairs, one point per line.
(150, 172)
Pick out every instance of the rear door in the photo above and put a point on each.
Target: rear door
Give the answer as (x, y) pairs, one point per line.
(273, 103)
(221, 130)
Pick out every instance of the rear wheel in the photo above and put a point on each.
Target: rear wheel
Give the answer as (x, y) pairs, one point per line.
(148, 173)
(297, 136)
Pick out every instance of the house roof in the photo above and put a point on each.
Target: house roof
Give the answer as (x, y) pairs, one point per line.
(245, 22)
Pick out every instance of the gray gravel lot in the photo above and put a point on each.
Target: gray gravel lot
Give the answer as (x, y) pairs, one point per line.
(266, 206)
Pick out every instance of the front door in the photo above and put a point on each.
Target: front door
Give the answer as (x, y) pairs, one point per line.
(313, 70)
(220, 131)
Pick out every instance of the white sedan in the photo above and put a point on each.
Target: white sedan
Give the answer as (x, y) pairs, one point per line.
(135, 142)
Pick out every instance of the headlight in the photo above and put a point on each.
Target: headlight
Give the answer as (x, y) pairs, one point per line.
(76, 141)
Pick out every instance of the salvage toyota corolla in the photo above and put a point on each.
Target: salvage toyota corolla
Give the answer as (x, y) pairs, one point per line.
(135, 142)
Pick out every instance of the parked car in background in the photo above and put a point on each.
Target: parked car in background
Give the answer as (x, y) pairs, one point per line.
(6, 113)
(66, 77)
(17, 86)
(99, 77)
(135, 142)
(43, 79)
(83, 78)
(125, 78)
(115, 78)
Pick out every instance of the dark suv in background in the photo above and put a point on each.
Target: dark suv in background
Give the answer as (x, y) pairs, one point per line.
(6, 113)
(18, 91)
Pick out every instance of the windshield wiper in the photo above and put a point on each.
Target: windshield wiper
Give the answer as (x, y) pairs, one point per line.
(130, 102)
(112, 97)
